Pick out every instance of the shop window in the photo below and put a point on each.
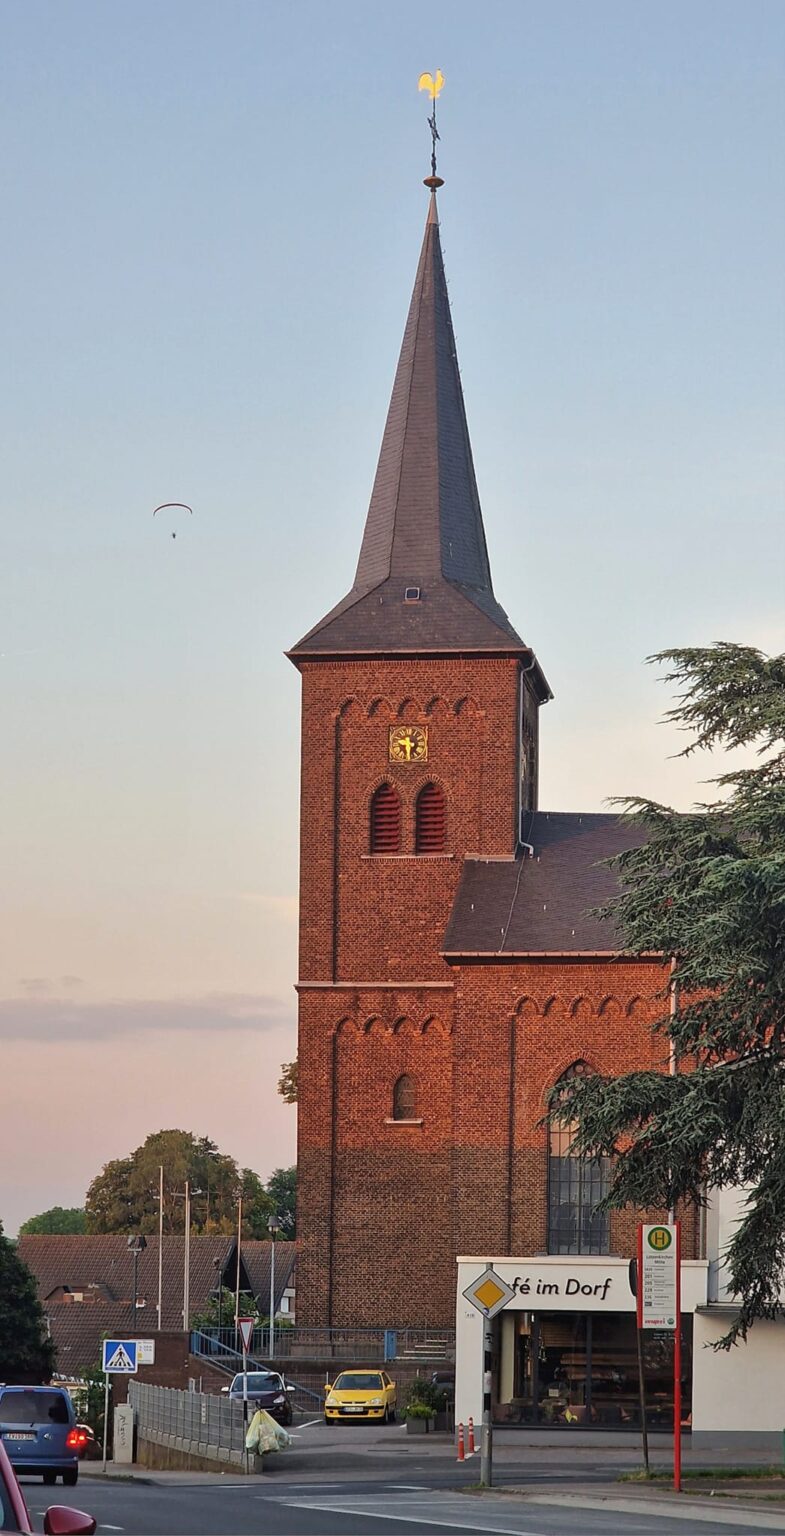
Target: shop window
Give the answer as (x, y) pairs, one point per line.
(575, 1186)
(572, 1369)
(430, 820)
(385, 820)
(405, 1099)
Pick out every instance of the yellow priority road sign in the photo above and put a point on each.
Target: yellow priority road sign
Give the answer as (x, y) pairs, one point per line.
(489, 1293)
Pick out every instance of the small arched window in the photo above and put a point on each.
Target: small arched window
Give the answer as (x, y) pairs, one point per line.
(430, 820)
(405, 1099)
(385, 820)
(575, 1185)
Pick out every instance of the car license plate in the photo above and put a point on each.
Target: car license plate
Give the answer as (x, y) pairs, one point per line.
(19, 1434)
(355, 1408)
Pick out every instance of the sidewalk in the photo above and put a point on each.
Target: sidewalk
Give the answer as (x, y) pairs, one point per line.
(93, 1472)
(734, 1510)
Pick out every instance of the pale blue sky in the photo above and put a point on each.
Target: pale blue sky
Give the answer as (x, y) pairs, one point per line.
(212, 215)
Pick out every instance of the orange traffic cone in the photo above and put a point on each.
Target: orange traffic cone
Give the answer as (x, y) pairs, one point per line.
(471, 1436)
(460, 1456)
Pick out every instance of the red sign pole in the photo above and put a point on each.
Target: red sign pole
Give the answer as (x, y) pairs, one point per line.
(677, 1370)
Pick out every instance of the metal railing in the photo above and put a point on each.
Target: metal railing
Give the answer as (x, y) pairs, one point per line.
(207, 1423)
(350, 1346)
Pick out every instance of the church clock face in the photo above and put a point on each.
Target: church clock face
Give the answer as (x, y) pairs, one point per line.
(408, 744)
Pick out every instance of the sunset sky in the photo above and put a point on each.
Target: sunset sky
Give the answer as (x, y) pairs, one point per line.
(212, 216)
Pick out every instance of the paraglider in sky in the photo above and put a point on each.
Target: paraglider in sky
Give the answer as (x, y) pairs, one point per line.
(183, 504)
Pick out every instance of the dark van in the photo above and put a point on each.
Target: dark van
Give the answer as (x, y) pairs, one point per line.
(38, 1430)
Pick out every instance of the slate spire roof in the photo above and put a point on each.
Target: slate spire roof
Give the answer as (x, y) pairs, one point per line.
(424, 528)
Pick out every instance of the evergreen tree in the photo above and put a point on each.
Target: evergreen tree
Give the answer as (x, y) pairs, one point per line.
(707, 889)
(26, 1354)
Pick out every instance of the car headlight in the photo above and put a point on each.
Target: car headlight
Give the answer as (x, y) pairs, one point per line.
(278, 1400)
(332, 1402)
(376, 1402)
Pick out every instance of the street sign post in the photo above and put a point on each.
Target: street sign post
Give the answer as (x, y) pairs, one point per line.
(489, 1294)
(659, 1305)
(119, 1358)
(245, 1326)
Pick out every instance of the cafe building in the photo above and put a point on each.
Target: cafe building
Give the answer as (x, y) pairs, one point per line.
(565, 1348)
(565, 1353)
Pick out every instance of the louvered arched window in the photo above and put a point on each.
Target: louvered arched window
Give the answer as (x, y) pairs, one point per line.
(575, 1185)
(385, 820)
(405, 1099)
(430, 821)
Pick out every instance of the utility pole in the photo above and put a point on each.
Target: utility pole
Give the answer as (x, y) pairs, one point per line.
(160, 1245)
(187, 1260)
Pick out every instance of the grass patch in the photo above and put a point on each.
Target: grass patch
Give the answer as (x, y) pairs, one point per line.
(712, 1474)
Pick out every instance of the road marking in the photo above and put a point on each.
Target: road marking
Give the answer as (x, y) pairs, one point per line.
(111, 1527)
(305, 1488)
(309, 1425)
(442, 1520)
(408, 1488)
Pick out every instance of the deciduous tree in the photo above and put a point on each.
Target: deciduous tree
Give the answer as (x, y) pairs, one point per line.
(58, 1219)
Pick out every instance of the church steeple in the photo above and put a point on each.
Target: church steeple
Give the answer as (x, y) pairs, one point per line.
(423, 580)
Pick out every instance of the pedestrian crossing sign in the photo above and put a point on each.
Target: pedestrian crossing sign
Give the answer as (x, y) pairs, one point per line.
(119, 1357)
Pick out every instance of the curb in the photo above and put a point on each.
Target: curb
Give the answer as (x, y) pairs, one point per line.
(680, 1507)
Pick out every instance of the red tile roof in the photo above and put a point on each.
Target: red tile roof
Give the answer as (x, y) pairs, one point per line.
(102, 1265)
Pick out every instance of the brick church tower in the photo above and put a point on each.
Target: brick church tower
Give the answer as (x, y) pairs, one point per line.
(420, 707)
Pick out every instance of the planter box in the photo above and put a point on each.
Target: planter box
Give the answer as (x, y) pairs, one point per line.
(420, 1426)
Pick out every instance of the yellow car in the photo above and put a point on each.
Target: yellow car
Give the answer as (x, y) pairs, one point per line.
(360, 1395)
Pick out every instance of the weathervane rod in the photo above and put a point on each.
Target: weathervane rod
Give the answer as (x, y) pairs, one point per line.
(433, 85)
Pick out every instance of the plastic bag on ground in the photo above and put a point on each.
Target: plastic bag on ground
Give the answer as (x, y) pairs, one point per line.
(280, 1436)
(252, 1433)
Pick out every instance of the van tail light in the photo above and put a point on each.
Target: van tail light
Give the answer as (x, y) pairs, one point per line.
(75, 1439)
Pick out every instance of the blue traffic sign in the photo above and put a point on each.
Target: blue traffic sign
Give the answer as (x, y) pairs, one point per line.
(119, 1357)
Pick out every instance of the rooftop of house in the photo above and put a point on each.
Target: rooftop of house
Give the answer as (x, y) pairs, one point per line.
(99, 1268)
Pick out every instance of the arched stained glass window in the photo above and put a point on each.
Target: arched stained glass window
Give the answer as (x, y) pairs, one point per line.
(385, 820)
(575, 1185)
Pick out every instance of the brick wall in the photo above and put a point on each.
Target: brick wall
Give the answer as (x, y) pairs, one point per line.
(383, 1209)
(172, 1368)
(377, 918)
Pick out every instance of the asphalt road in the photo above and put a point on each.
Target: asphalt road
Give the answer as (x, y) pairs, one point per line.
(341, 1508)
(371, 1482)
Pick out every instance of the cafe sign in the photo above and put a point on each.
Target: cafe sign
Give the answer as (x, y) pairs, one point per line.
(564, 1285)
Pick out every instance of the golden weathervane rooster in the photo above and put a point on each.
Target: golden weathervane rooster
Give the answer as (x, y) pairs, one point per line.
(433, 85)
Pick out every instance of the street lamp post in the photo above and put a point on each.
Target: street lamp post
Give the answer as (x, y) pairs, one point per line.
(137, 1245)
(273, 1226)
(160, 1244)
